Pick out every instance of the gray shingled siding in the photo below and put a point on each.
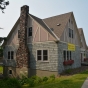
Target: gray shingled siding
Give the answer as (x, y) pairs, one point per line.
(6, 61)
(56, 59)
(51, 64)
(75, 57)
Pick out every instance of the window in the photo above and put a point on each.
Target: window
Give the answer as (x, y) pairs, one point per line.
(70, 54)
(39, 55)
(18, 33)
(42, 55)
(45, 53)
(70, 33)
(10, 72)
(30, 31)
(64, 54)
(10, 55)
(67, 55)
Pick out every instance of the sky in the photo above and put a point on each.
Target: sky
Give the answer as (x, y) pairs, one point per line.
(44, 9)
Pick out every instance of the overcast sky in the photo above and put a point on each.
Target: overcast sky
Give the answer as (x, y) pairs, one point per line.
(44, 9)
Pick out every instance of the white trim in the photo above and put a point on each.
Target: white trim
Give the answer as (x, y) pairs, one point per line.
(40, 42)
(10, 55)
(35, 34)
(41, 26)
(52, 31)
(39, 33)
(42, 55)
(47, 36)
(68, 42)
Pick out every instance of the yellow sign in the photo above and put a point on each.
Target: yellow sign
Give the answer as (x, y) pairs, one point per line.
(71, 47)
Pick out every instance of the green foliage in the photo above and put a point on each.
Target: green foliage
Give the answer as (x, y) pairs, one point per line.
(23, 80)
(45, 79)
(34, 80)
(3, 4)
(10, 83)
(13, 83)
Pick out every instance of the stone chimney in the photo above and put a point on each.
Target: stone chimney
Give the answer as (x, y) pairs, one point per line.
(22, 55)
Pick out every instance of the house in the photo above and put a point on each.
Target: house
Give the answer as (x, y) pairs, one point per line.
(42, 47)
(84, 46)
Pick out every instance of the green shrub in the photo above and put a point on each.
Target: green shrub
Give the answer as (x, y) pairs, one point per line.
(13, 83)
(23, 80)
(34, 80)
(45, 79)
(52, 77)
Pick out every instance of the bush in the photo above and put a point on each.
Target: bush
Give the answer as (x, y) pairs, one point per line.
(45, 79)
(13, 83)
(23, 80)
(52, 76)
(34, 80)
(10, 83)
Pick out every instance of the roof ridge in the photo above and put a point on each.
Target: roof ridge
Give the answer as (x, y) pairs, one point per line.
(58, 15)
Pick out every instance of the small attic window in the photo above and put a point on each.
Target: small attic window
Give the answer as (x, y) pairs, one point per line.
(58, 24)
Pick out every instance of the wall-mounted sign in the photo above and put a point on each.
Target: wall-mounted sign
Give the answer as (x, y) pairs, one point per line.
(71, 47)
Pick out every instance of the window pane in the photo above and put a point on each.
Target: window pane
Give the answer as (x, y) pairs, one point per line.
(38, 57)
(70, 55)
(44, 52)
(67, 55)
(12, 55)
(30, 31)
(64, 54)
(39, 52)
(69, 32)
(45, 58)
(9, 55)
(72, 33)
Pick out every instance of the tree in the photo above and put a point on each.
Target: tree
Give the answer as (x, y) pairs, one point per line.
(3, 5)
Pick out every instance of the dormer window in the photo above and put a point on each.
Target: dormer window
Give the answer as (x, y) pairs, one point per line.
(30, 31)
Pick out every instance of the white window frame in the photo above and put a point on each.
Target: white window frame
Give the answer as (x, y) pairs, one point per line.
(68, 54)
(42, 55)
(10, 55)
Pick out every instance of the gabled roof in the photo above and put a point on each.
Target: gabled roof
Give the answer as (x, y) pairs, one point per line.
(49, 24)
(42, 23)
(12, 30)
(81, 33)
(58, 23)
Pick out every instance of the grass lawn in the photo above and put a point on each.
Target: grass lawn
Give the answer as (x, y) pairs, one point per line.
(73, 81)
(1, 69)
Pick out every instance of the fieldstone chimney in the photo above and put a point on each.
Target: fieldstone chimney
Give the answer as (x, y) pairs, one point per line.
(22, 55)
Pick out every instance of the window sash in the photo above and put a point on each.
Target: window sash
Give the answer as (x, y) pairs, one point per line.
(30, 31)
(67, 55)
(10, 54)
(43, 56)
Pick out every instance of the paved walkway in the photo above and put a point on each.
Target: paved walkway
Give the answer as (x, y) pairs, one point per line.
(85, 84)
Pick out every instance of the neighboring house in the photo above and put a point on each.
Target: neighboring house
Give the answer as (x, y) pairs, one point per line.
(42, 46)
(84, 46)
